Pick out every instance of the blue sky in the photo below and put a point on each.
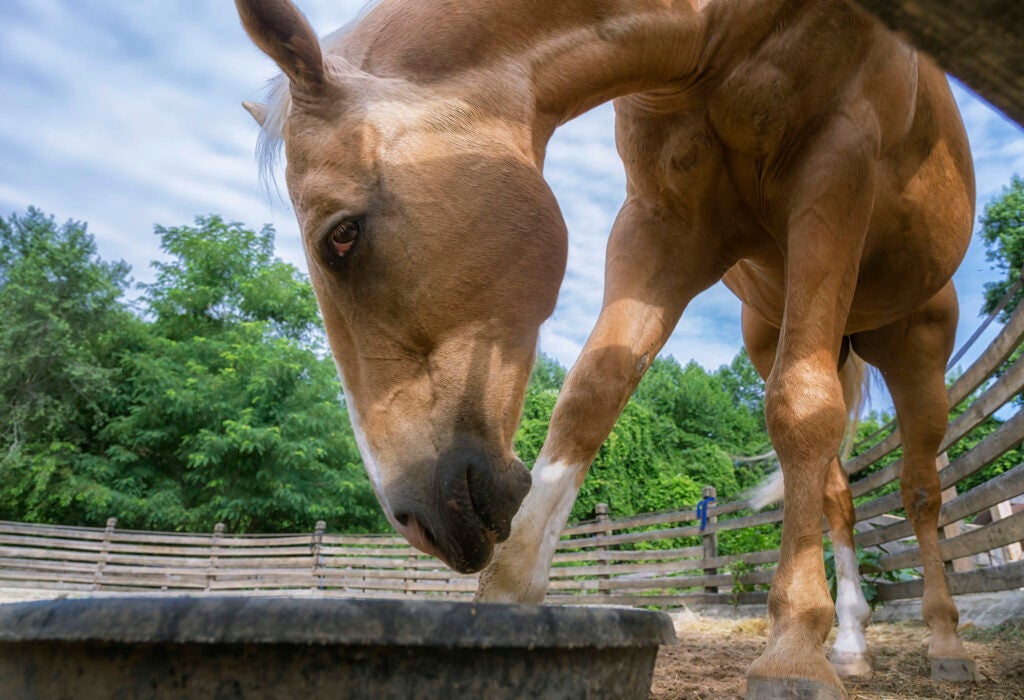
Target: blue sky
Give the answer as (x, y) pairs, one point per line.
(126, 115)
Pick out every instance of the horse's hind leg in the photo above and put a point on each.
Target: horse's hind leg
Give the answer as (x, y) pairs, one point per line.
(849, 657)
(912, 356)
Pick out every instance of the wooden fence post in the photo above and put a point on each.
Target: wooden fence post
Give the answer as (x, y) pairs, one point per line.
(710, 539)
(316, 548)
(211, 569)
(101, 561)
(956, 528)
(603, 557)
(1013, 551)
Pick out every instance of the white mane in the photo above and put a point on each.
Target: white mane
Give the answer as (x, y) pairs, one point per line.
(278, 99)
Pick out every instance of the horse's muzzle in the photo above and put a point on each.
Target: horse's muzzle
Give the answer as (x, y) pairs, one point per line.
(468, 510)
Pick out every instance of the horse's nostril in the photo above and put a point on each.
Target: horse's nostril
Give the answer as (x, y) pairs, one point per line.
(403, 519)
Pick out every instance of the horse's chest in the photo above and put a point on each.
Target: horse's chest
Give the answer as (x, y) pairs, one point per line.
(751, 110)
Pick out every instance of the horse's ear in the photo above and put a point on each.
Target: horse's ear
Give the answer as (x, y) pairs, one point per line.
(282, 32)
(258, 111)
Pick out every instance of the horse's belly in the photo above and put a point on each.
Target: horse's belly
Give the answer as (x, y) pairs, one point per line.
(760, 288)
(888, 289)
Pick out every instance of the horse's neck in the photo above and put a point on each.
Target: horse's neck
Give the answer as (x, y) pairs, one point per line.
(575, 54)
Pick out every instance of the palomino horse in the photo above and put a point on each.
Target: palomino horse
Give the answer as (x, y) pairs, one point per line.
(793, 148)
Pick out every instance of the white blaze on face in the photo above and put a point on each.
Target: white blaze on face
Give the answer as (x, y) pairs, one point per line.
(852, 609)
(371, 463)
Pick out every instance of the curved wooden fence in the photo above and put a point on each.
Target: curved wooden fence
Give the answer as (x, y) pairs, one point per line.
(662, 559)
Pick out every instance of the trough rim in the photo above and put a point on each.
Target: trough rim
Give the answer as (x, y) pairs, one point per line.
(331, 621)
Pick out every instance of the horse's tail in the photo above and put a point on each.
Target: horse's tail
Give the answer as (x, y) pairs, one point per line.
(856, 383)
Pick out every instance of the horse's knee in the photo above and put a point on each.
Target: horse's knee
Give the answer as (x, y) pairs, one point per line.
(921, 492)
(805, 411)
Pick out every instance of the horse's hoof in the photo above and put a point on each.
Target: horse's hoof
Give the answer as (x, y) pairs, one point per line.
(849, 664)
(956, 670)
(792, 689)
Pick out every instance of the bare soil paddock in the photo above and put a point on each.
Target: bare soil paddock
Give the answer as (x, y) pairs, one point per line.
(713, 655)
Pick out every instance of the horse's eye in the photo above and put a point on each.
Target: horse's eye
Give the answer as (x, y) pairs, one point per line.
(343, 237)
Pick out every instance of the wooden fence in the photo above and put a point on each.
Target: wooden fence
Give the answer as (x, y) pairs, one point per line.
(661, 559)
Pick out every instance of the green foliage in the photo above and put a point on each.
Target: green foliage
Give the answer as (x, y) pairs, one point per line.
(1005, 463)
(758, 538)
(634, 471)
(745, 387)
(704, 407)
(547, 375)
(65, 328)
(220, 275)
(541, 394)
(1002, 230)
(738, 569)
(219, 407)
(675, 436)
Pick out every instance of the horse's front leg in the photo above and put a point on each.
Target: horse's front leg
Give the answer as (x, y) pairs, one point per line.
(829, 202)
(653, 269)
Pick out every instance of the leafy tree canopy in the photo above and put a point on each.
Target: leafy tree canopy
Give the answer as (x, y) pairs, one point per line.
(217, 403)
(1002, 230)
(217, 406)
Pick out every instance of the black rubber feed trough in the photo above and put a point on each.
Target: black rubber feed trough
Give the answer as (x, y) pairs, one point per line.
(228, 648)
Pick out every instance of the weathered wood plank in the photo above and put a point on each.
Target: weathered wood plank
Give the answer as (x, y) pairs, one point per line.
(981, 369)
(988, 580)
(994, 446)
(662, 582)
(979, 41)
(631, 522)
(984, 539)
(70, 531)
(673, 567)
(997, 352)
(873, 454)
(1008, 386)
(19, 563)
(973, 501)
(631, 555)
(762, 518)
(757, 597)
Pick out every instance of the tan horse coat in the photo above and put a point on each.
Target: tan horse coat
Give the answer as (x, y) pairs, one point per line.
(793, 148)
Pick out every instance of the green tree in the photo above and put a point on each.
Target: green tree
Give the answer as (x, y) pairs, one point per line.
(541, 393)
(236, 413)
(744, 385)
(675, 435)
(702, 406)
(221, 274)
(638, 469)
(1002, 230)
(220, 406)
(65, 328)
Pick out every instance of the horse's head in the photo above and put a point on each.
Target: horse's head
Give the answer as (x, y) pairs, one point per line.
(436, 250)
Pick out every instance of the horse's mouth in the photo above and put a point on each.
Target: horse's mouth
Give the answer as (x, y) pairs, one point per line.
(467, 550)
(467, 562)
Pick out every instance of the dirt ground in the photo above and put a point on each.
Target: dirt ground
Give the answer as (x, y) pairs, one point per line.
(713, 655)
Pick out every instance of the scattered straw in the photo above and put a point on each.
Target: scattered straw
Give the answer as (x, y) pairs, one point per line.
(713, 655)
